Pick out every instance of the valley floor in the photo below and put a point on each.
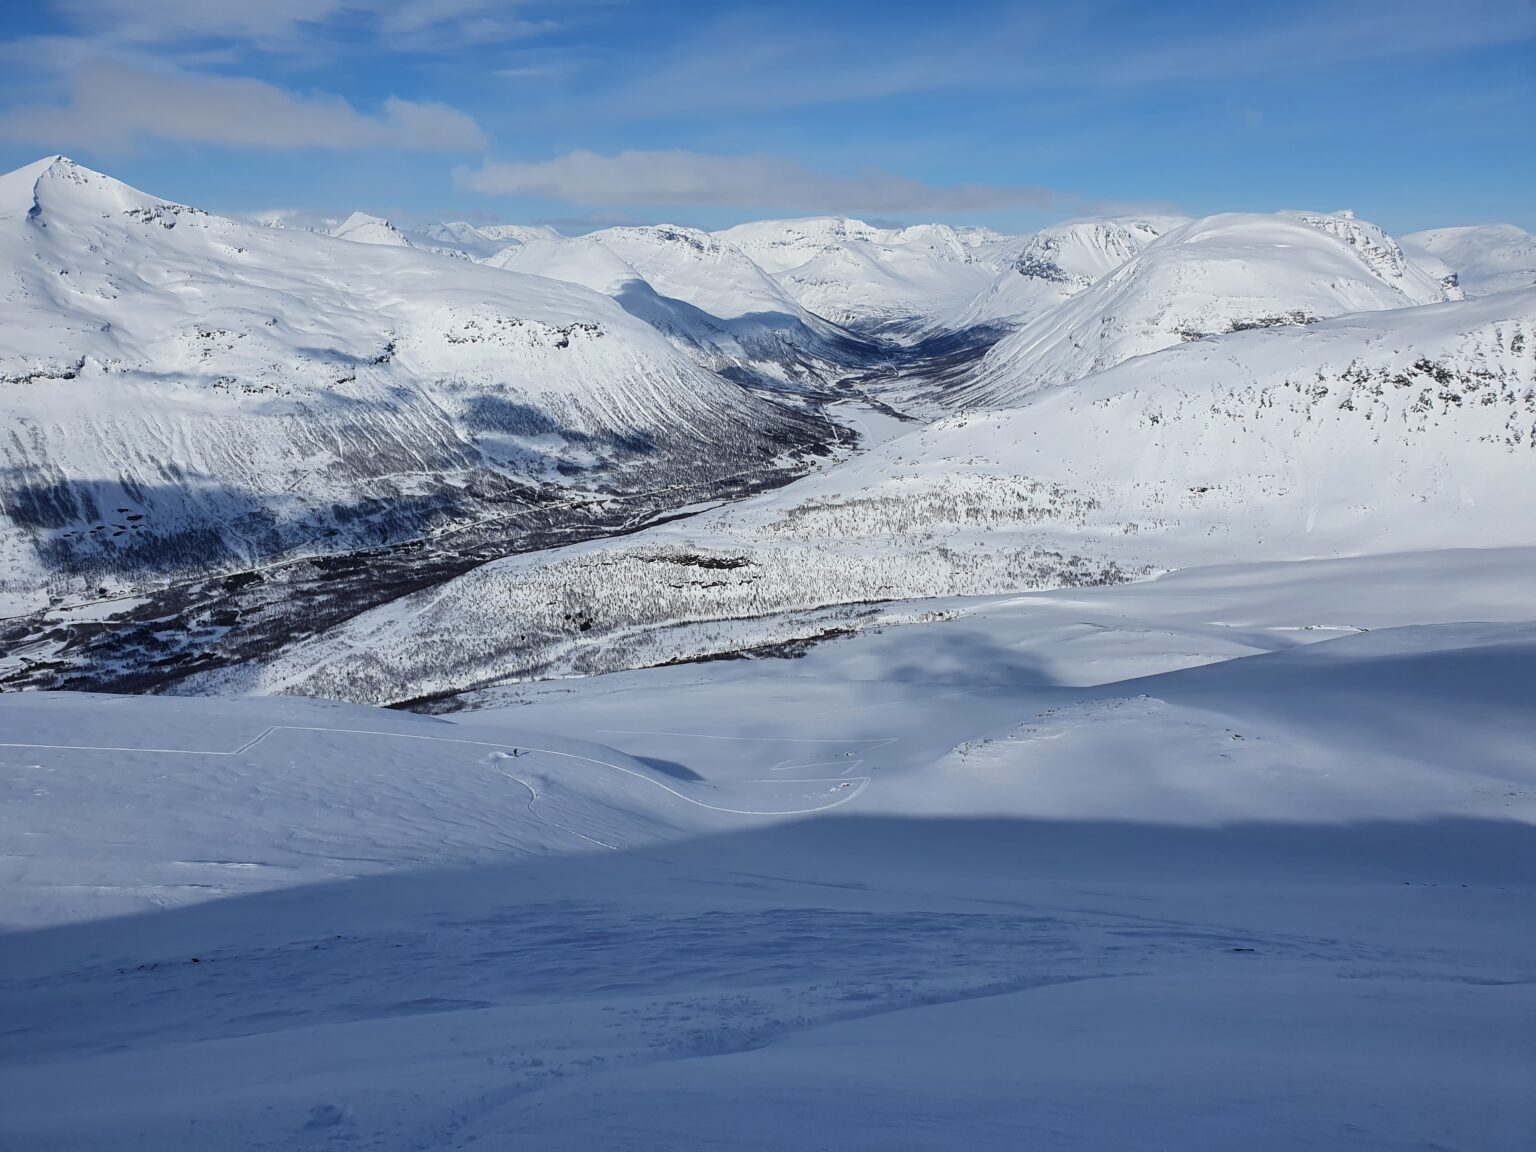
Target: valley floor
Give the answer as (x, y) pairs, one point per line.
(1239, 856)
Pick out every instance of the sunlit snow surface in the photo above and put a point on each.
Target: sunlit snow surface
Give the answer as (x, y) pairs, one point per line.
(1238, 857)
(1127, 744)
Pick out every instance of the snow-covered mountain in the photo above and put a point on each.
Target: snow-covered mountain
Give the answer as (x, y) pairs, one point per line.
(453, 238)
(1396, 430)
(482, 241)
(1060, 261)
(1124, 739)
(702, 292)
(183, 390)
(366, 229)
(193, 393)
(1208, 277)
(1486, 258)
(880, 280)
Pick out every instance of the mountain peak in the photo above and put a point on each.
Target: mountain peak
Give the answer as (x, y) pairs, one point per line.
(365, 229)
(57, 182)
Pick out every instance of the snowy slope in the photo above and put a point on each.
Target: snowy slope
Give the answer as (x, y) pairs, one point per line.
(1270, 901)
(250, 795)
(366, 229)
(702, 292)
(452, 238)
(890, 280)
(480, 242)
(184, 391)
(1486, 258)
(1058, 262)
(699, 269)
(1408, 428)
(1377, 432)
(1209, 277)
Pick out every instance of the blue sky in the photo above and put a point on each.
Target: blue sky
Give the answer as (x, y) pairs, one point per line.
(1413, 113)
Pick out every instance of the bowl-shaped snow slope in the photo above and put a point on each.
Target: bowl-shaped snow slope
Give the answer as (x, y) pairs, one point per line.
(1059, 262)
(1403, 430)
(887, 280)
(1211, 276)
(1486, 258)
(183, 391)
(703, 293)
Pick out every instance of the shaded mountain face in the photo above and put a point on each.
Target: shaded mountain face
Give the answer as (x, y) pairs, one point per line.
(184, 391)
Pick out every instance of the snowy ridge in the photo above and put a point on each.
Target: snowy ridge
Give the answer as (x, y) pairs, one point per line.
(892, 280)
(479, 242)
(1206, 278)
(1060, 261)
(1385, 257)
(185, 391)
(703, 293)
(366, 229)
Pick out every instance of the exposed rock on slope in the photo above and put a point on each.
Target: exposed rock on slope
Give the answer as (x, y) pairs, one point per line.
(1381, 432)
(1209, 277)
(184, 391)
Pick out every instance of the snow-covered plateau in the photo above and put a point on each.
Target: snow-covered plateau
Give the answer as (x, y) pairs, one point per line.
(857, 687)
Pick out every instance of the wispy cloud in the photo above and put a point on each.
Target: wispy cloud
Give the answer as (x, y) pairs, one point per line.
(274, 25)
(1052, 45)
(113, 105)
(259, 22)
(691, 178)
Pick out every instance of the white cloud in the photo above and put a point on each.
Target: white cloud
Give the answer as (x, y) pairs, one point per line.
(113, 105)
(676, 178)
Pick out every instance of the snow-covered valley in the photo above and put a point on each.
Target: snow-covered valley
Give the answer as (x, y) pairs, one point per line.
(857, 686)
